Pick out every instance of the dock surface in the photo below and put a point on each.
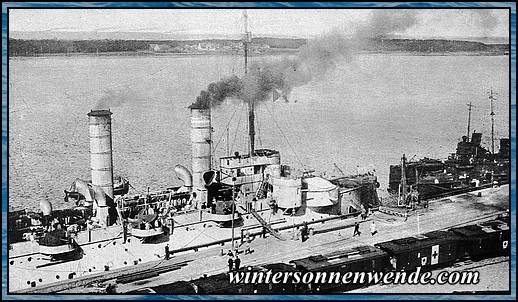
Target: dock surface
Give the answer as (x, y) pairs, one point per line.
(325, 237)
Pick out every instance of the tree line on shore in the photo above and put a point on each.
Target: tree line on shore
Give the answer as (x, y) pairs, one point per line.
(21, 47)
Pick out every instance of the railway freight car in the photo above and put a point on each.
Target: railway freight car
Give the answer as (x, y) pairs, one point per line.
(483, 240)
(358, 259)
(220, 283)
(428, 251)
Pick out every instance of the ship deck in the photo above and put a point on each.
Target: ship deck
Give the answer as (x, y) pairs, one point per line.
(328, 236)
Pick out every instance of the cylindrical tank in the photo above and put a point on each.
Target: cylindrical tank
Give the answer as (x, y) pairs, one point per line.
(274, 165)
(101, 160)
(287, 192)
(201, 141)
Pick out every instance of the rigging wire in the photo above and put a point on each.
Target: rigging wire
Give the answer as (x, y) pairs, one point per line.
(237, 25)
(287, 141)
(237, 128)
(140, 77)
(31, 173)
(245, 138)
(259, 128)
(19, 94)
(228, 124)
(296, 134)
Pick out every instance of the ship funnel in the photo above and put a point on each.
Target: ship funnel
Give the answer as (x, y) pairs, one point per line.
(201, 141)
(101, 160)
(101, 150)
(184, 175)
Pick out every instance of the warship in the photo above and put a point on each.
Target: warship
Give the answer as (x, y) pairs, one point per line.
(106, 228)
(470, 168)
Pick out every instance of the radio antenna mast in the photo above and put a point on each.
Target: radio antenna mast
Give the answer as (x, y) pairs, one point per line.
(469, 117)
(251, 114)
(491, 99)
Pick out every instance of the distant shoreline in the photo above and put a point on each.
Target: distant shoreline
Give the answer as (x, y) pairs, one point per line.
(216, 53)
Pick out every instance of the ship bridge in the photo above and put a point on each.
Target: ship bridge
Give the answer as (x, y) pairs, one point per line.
(248, 171)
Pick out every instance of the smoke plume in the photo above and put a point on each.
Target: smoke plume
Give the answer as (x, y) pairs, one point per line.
(486, 19)
(112, 98)
(315, 59)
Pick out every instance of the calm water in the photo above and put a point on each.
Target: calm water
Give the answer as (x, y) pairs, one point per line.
(367, 112)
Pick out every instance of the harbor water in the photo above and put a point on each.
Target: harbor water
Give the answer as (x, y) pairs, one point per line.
(364, 114)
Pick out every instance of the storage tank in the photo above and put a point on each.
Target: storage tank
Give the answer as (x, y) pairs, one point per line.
(287, 192)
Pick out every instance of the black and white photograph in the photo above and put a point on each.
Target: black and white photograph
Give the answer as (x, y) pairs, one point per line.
(258, 151)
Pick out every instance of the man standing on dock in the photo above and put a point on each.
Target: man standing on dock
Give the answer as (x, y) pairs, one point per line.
(167, 251)
(373, 229)
(304, 232)
(357, 229)
(230, 264)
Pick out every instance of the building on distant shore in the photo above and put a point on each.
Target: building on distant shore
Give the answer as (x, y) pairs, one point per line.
(208, 46)
(159, 47)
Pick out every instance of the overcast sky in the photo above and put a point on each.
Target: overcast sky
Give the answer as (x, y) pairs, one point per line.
(262, 22)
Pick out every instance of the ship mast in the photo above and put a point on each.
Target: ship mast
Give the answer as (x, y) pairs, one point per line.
(251, 114)
(491, 99)
(469, 117)
(402, 192)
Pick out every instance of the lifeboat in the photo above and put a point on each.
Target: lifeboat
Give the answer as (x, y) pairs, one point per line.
(221, 212)
(120, 186)
(147, 233)
(57, 250)
(220, 217)
(57, 243)
(147, 226)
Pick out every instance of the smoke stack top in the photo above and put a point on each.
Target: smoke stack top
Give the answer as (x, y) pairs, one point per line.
(103, 112)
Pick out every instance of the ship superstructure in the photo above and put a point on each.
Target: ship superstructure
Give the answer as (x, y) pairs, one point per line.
(471, 167)
(108, 228)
